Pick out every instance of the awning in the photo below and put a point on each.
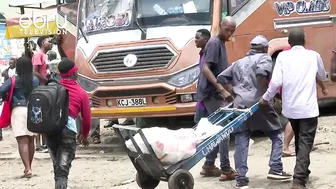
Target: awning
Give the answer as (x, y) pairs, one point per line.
(16, 3)
(22, 28)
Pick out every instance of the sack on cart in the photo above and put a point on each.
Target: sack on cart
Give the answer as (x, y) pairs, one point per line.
(169, 146)
(172, 146)
(205, 129)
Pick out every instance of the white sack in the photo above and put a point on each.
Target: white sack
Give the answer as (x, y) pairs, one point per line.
(205, 129)
(170, 146)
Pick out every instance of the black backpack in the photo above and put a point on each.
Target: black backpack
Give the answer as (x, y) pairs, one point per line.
(48, 108)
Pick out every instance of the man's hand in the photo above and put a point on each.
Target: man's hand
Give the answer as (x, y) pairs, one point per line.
(84, 141)
(263, 102)
(227, 96)
(325, 91)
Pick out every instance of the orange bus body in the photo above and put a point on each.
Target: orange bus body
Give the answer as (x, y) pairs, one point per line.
(272, 18)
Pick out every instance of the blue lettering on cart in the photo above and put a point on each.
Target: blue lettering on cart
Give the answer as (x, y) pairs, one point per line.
(209, 148)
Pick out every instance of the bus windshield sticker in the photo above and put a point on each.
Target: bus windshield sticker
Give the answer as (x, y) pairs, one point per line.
(99, 15)
(108, 22)
(302, 7)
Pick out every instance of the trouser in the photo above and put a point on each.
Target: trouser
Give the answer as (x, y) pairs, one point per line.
(304, 132)
(212, 104)
(199, 114)
(242, 140)
(40, 140)
(95, 127)
(62, 149)
(284, 121)
(95, 130)
(0, 133)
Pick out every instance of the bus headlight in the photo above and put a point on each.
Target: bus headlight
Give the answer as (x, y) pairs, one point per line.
(87, 84)
(185, 77)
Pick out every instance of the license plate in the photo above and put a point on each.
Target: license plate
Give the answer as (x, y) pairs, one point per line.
(131, 102)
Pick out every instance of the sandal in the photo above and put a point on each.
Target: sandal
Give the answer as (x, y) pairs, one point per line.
(27, 174)
(285, 154)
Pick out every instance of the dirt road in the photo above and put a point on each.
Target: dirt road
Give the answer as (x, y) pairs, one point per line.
(93, 169)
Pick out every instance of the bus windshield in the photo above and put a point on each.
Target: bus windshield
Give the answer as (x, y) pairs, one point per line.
(100, 15)
(153, 13)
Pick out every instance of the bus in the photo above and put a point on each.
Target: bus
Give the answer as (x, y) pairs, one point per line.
(137, 58)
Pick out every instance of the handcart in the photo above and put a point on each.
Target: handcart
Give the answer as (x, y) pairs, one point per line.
(150, 171)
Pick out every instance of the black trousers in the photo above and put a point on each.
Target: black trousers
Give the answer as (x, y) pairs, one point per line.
(304, 131)
(62, 149)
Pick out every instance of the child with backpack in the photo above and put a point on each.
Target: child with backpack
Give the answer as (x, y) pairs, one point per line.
(60, 123)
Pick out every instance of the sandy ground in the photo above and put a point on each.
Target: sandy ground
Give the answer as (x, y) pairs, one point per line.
(94, 169)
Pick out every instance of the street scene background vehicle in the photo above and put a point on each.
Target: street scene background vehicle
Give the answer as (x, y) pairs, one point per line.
(137, 59)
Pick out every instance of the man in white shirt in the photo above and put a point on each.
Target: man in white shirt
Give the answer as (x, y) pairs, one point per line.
(295, 71)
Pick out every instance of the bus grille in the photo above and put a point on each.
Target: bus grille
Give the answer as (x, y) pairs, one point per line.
(148, 58)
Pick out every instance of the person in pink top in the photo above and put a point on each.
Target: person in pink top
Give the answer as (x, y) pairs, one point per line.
(40, 68)
(40, 59)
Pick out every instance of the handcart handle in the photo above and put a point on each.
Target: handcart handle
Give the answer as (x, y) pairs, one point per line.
(250, 110)
(123, 127)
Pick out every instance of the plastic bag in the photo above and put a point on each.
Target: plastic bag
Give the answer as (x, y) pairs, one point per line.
(170, 146)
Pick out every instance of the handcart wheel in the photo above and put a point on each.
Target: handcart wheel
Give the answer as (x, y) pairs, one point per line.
(181, 179)
(146, 182)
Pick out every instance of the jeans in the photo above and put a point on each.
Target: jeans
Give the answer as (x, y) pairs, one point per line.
(199, 114)
(212, 104)
(242, 140)
(62, 149)
(304, 132)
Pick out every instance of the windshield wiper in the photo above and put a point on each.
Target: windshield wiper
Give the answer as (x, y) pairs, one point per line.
(84, 35)
(139, 26)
